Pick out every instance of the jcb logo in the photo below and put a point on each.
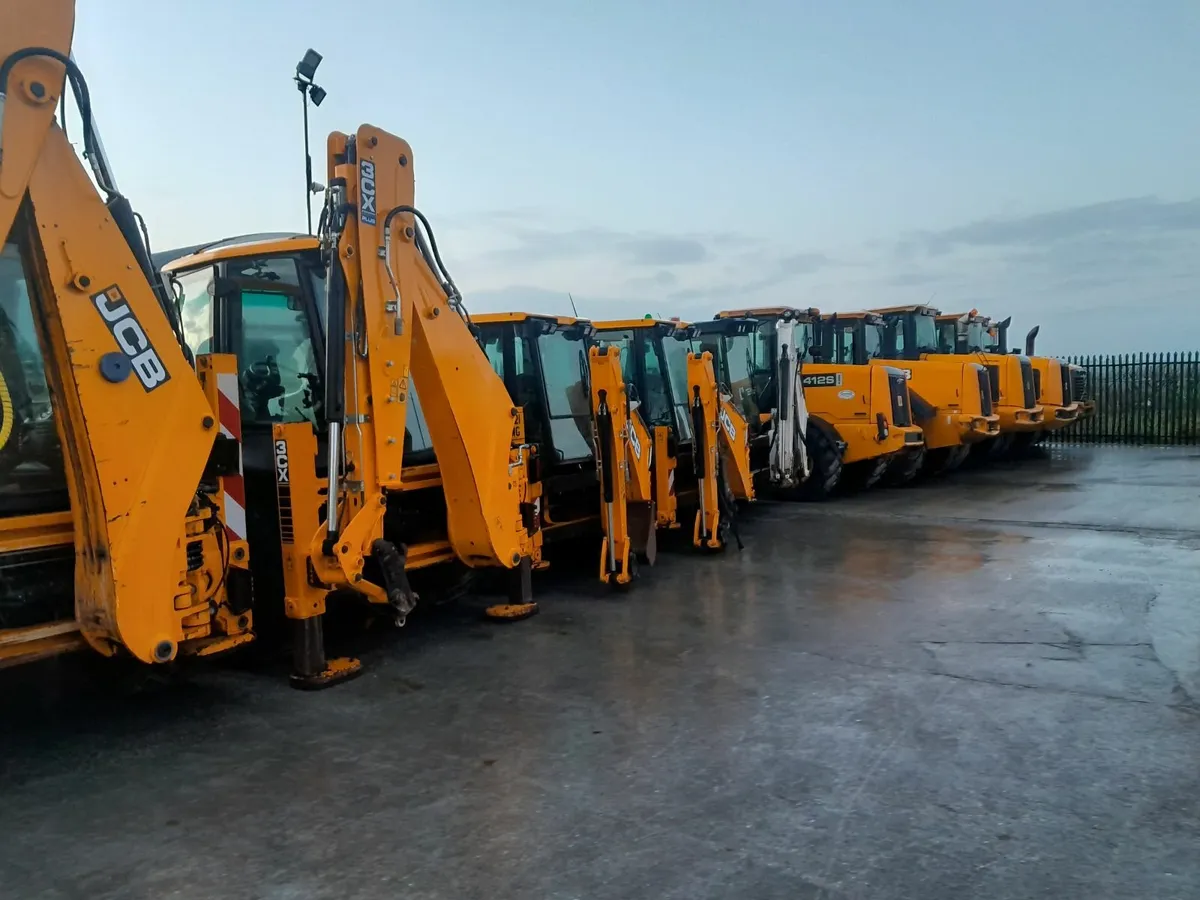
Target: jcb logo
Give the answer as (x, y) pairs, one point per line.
(130, 337)
(366, 191)
(907, 374)
(833, 379)
(281, 462)
(727, 424)
(634, 442)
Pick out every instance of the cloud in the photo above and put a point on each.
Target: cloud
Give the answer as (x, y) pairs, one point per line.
(664, 251)
(536, 299)
(1135, 215)
(804, 263)
(658, 281)
(912, 279)
(621, 247)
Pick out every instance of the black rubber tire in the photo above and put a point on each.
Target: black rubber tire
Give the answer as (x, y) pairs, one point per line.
(945, 459)
(1021, 443)
(904, 468)
(997, 448)
(825, 461)
(863, 475)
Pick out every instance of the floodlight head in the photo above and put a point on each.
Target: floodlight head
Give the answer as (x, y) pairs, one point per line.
(316, 94)
(307, 67)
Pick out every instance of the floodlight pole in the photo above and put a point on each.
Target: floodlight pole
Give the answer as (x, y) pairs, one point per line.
(308, 179)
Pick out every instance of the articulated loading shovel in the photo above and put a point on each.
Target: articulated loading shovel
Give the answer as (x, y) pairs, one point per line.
(1013, 382)
(951, 398)
(118, 465)
(860, 413)
(592, 448)
(674, 393)
(1054, 381)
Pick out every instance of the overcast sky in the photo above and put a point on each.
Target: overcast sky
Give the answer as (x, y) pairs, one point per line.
(1033, 159)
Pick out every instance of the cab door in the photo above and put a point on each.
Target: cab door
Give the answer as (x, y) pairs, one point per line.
(263, 311)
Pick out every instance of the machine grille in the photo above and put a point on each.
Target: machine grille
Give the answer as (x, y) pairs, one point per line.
(901, 411)
(985, 391)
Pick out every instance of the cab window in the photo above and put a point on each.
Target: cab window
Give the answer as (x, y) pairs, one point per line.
(278, 364)
(32, 476)
(565, 373)
(677, 352)
(845, 345)
(656, 399)
(196, 309)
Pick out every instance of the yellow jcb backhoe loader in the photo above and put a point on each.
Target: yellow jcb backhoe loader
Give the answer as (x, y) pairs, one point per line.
(336, 421)
(592, 447)
(162, 502)
(766, 445)
(120, 478)
(1054, 381)
(860, 413)
(678, 401)
(761, 362)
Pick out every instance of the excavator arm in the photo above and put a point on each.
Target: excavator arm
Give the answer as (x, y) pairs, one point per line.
(734, 434)
(704, 403)
(610, 415)
(136, 427)
(396, 320)
(789, 462)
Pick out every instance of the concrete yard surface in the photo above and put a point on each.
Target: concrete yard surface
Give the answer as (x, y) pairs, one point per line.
(983, 686)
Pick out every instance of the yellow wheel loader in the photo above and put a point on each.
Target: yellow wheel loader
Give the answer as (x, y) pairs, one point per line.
(951, 397)
(677, 399)
(1054, 382)
(1010, 378)
(859, 415)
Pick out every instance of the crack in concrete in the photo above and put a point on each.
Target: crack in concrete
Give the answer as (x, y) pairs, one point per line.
(1139, 530)
(1187, 708)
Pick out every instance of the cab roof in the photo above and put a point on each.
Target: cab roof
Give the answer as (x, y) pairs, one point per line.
(497, 317)
(623, 324)
(770, 312)
(921, 308)
(871, 316)
(970, 317)
(261, 244)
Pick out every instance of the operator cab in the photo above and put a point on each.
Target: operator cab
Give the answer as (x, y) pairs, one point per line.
(653, 354)
(36, 534)
(972, 333)
(911, 332)
(741, 362)
(544, 365)
(262, 298)
(761, 348)
(853, 338)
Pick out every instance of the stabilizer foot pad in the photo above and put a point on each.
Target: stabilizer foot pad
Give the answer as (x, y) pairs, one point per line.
(336, 671)
(511, 612)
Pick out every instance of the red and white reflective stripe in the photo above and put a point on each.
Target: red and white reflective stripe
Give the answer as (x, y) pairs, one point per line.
(229, 417)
